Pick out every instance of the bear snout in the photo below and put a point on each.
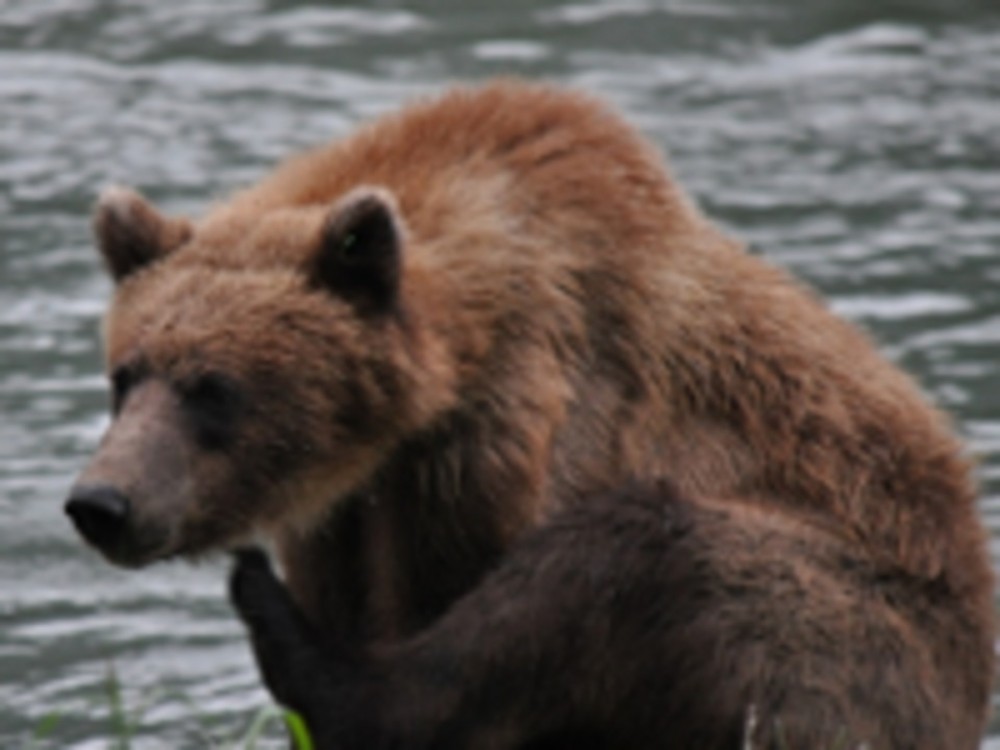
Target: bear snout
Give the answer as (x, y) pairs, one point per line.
(101, 515)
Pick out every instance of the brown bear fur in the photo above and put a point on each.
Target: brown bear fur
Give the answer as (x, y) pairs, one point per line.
(402, 351)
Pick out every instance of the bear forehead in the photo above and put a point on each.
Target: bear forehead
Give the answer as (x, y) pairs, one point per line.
(242, 238)
(171, 314)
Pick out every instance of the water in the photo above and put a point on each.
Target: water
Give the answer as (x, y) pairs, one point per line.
(855, 142)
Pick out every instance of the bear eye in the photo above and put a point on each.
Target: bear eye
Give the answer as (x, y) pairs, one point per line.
(122, 380)
(213, 403)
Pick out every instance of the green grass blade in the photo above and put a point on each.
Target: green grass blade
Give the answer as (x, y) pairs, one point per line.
(119, 721)
(299, 731)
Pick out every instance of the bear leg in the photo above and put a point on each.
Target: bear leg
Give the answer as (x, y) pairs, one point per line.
(299, 674)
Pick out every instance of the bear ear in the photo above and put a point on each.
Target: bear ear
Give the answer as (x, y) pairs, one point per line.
(360, 253)
(131, 234)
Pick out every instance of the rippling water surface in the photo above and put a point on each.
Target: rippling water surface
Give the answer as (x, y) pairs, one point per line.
(855, 142)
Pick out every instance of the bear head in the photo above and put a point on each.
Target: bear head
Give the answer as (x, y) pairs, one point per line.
(261, 367)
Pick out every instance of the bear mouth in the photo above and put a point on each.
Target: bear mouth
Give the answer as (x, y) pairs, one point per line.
(139, 553)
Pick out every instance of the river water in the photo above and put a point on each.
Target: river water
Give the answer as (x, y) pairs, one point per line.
(856, 142)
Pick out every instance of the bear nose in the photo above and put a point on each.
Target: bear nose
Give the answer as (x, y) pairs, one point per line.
(100, 514)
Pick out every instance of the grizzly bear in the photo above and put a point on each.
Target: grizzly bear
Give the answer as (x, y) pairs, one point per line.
(441, 368)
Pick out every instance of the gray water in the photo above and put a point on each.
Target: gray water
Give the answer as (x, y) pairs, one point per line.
(856, 142)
